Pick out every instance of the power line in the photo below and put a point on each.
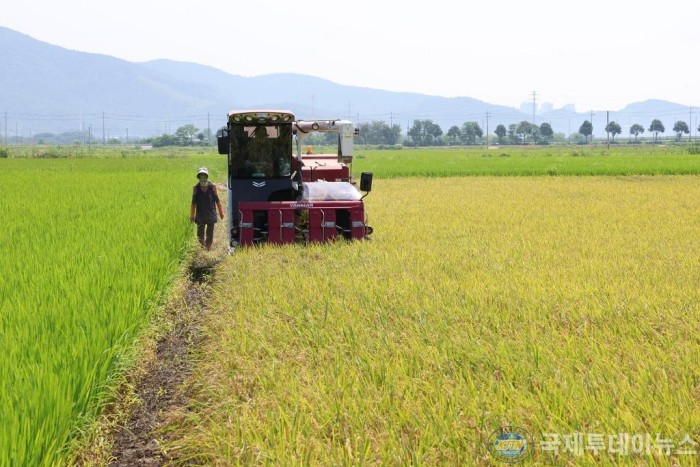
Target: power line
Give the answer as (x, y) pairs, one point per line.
(139, 124)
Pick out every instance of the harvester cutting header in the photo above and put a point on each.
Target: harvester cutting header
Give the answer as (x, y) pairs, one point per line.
(281, 194)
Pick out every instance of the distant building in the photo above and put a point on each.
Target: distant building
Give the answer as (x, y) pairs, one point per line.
(544, 107)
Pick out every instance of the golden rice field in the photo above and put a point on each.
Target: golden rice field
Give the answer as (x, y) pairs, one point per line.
(562, 306)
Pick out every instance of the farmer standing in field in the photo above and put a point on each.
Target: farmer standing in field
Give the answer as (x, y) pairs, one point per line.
(205, 200)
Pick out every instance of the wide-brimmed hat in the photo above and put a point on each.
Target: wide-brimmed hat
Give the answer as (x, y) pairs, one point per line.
(202, 170)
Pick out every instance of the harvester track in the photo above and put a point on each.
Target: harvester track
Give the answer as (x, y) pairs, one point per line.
(159, 389)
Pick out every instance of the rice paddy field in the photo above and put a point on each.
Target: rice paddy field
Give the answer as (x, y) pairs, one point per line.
(531, 160)
(562, 306)
(87, 247)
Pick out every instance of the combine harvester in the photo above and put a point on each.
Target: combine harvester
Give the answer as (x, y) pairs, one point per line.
(277, 195)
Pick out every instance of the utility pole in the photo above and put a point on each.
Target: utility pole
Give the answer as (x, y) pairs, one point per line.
(488, 114)
(104, 140)
(208, 129)
(592, 114)
(534, 105)
(690, 123)
(127, 136)
(606, 126)
(6, 128)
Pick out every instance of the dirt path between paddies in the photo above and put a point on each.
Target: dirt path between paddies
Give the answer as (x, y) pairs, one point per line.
(134, 425)
(159, 390)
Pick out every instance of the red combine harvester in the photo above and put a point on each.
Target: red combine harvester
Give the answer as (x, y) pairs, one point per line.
(278, 195)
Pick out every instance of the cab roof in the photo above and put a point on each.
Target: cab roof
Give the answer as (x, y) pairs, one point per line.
(260, 116)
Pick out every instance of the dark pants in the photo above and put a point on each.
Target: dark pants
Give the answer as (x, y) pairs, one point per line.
(209, 233)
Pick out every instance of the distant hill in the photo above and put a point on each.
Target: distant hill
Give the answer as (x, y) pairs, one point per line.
(48, 88)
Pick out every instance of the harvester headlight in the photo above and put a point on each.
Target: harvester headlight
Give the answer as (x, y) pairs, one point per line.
(262, 119)
(248, 118)
(274, 118)
(287, 118)
(237, 118)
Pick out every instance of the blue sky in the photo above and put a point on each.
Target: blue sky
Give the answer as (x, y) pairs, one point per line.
(595, 54)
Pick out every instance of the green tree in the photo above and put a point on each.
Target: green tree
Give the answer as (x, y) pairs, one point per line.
(470, 132)
(392, 134)
(433, 132)
(586, 129)
(379, 132)
(613, 128)
(523, 129)
(424, 132)
(185, 134)
(453, 133)
(363, 130)
(546, 131)
(513, 133)
(656, 127)
(500, 132)
(636, 130)
(681, 127)
(417, 133)
(383, 133)
(163, 140)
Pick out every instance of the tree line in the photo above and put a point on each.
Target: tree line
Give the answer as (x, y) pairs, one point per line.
(186, 135)
(428, 133)
(656, 127)
(421, 133)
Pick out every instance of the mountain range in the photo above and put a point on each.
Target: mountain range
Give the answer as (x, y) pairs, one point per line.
(46, 88)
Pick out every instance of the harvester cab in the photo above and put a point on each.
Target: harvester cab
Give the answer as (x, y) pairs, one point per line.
(279, 193)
